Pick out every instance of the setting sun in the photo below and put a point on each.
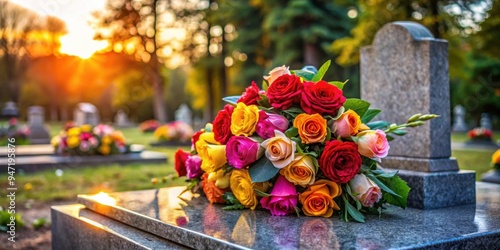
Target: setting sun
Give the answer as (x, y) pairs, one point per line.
(82, 48)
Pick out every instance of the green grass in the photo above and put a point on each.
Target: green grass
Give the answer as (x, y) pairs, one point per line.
(462, 136)
(478, 161)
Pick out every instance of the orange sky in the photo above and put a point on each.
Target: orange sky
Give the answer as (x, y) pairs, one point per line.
(76, 14)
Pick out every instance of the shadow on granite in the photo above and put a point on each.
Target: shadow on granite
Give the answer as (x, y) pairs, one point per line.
(43, 162)
(191, 221)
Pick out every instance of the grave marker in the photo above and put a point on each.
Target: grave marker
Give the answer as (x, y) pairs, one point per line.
(36, 122)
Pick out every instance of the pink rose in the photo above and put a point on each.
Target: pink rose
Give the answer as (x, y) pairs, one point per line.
(373, 144)
(241, 151)
(276, 72)
(367, 192)
(283, 198)
(193, 167)
(268, 123)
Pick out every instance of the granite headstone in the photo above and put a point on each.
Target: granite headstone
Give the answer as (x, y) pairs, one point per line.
(86, 113)
(184, 114)
(39, 134)
(485, 121)
(121, 119)
(10, 110)
(459, 124)
(404, 72)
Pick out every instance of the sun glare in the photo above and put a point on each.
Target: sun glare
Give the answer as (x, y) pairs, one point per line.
(83, 49)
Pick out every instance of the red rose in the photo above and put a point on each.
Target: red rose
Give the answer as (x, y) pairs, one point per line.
(340, 161)
(180, 162)
(196, 137)
(222, 124)
(322, 98)
(251, 95)
(285, 91)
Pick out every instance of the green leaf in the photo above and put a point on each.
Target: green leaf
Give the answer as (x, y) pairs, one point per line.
(399, 132)
(378, 124)
(231, 99)
(234, 207)
(291, 132)
(369, 115)
(338, 84)
(265, 85)
(399, 186)
(389, 138)
(322, 70)
(262, 170)
(382, 185)
(264, 101)
(359, 106)
(383, 174)
(260, 193)
(307, 75)
(355, 214)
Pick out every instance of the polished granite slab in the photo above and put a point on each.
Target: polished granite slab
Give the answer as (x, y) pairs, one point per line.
(191, 221)
(43, 162)
(29, 150)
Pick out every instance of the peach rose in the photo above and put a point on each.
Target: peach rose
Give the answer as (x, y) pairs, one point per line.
(301, 171)
(373, 144)
(277, 72)
(244, 119)
(317, 200)
(348, 124)
(312, 128)
(280, 150)
(367, 192)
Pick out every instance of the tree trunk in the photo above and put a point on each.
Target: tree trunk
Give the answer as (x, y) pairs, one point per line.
(64, 114)
(434, 5)
(222, 70)
(160, 110)
(210, 98)
(311, 54)
(53, 112)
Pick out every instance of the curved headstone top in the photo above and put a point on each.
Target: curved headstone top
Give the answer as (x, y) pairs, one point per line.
(87, 107)
(403, 29)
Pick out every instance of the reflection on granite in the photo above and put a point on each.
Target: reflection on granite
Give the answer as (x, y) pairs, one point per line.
(191, 221)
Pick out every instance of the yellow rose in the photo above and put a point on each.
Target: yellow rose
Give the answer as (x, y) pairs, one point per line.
(161, 132)
(105, 149)
(106, 140)
(73, 141)
(495, 158)
(74, 131)
(280, 150)
(242, 187)
(244, 119)
(221, 180)
(312, 128)
(213, 158)
(86, 128)
(317, 200)
(301, 171)
(55, 141)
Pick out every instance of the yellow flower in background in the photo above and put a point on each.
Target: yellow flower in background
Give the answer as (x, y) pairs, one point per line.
(55, 141)
(244, 119)
(118, 137)
(74, 131)
(28, 186)
(105, 149)
(221, 180)
(106, 140)
(86, 128)
(73, 141)
(495, 158)
(161, 132)
(242, 187)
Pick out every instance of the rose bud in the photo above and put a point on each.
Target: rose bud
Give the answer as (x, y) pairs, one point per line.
(268, 123)
(367, 192)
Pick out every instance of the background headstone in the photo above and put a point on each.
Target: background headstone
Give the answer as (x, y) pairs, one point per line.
(485, 121)
(459, 124)
(184, 113)
(121, 119)
(10, 110)
(404, 72)
(86, 113)
(36, 122)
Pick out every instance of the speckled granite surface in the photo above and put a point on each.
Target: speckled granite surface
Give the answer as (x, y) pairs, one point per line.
(193, 222)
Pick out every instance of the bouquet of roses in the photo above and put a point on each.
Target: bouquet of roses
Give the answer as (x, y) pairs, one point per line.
(480, 134)
(296, 145)
(87, 140)
(174, 131)
(149, 126)
(12, 129)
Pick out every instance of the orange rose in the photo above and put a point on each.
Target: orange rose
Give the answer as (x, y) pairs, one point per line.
(317, 200)
(213, 193)
(349, 123)
(495, 158)
(312, 128)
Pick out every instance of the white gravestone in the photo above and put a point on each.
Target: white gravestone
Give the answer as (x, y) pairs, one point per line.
(184, 114)
(485, 121)
(121, 119)
(459, 124)
(36, 119)
(86, 113)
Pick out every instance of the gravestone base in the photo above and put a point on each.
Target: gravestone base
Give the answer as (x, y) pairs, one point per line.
(167, 218)
(492, 176)
(440, 189)
(420, 164)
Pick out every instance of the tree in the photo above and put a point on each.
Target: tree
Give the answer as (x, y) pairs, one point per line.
(15, 24)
